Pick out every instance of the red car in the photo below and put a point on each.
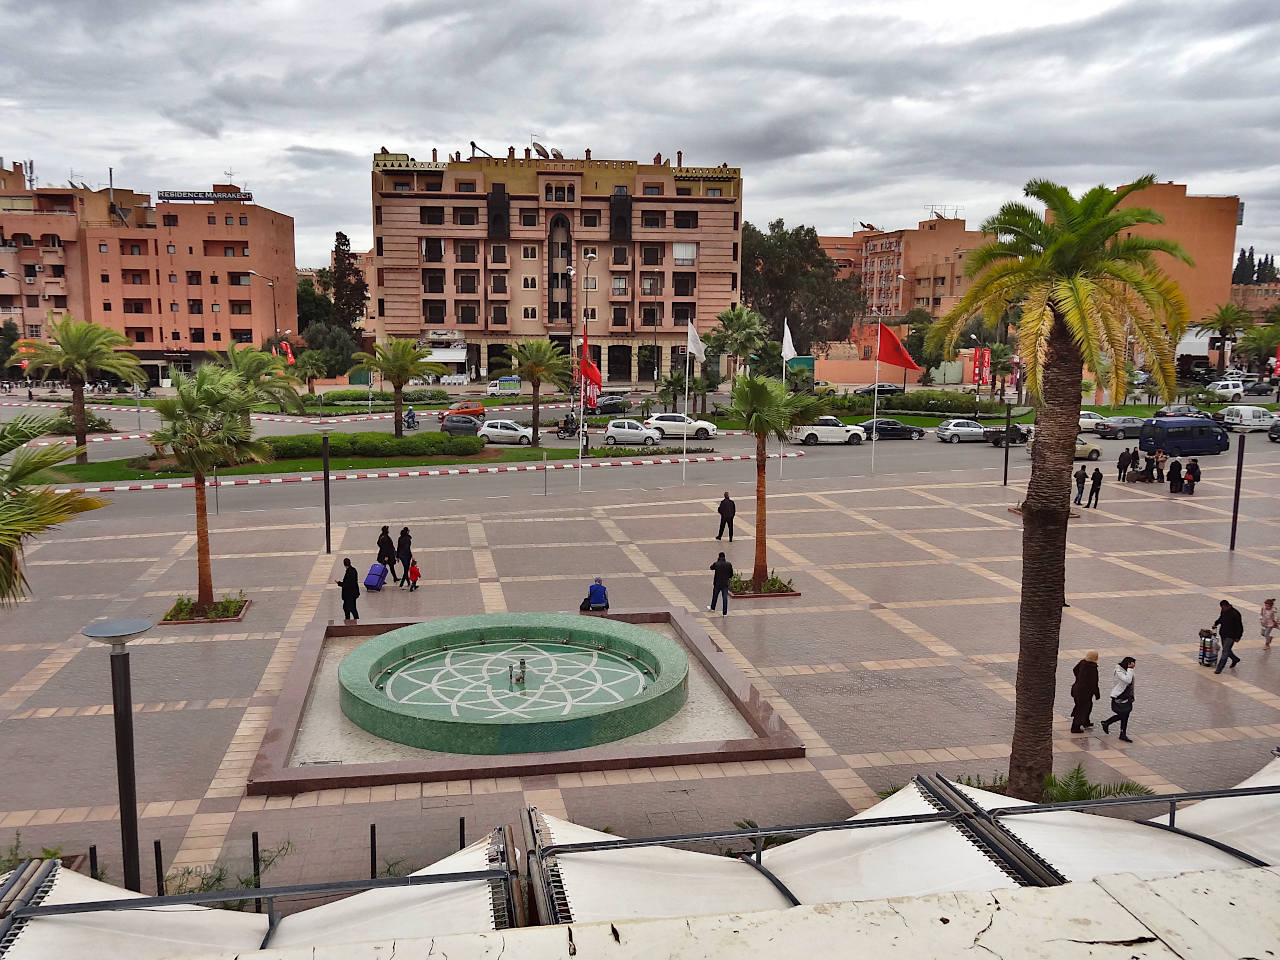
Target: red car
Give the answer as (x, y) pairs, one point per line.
(470, 408)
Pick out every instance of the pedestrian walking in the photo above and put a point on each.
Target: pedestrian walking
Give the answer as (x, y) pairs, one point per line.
(414, 574)
(1191, 476)
(727, 510)
(722, 573)
(1082, 477)
(1095, 488)
(350, 584)
(1175, 476)
(1122, 463)
(1084, 691)
(1161, 459)
(1267, 618)
(404, 550)
(1230, 629)
(387, 552)
(1122, 698)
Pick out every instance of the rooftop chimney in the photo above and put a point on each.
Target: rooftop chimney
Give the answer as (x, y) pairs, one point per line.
(679, 158)
(588, 153)
(433, 154)
(528, 152)
(511, 153)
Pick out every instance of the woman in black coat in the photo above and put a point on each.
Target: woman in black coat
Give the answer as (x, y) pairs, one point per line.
(1084, 691)
(404, 550)
(1175, 476)
(387, 552)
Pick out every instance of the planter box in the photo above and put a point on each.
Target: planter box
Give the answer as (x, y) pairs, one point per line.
(236, 619)
(762, 596)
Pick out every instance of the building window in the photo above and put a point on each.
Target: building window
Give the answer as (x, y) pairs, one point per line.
(528, 218)
(377, 214)
(653, 219)
(588, 252)
(685, 220)
(242, 307)
(466, 283)
(433, 311)
(170, 219)
(529, 283)
(238, 279)
(102, 248)
(620, 190)
(735, 253)
(866, 353)
(619, 286)
(135, 250)
(170, 248)
(228, 251)
(216, 308)
(733, 281)
(499, 283)
(498, 253)
(531, 313)
(231, 221)
(651, 255)
(435, 184)
(213, 278)
(529, 252)
(620, 255)
(684, 191)
(193, 278)
(173, 278)
(431, 215)
(590, 218)
(377, 246)
(195, 306)
(650, 286)
(466, 253)
(242, 336)
(467, 313)
(588, 313)
(590, 283)
(173, 306)
(106, 306)
(500, 316)
(33, 300)
(465, 216)
(684, 254)
(466, 186)
(105, 277)
(244, 221)
(213, 221)
(713, 191)
(402, 186)
(382, 307)
(653, 189)
(196, 334)
(619, 316)
(217, 336)
(432, 249)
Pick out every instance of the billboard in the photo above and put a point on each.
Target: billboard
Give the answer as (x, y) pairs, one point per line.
(202, 195)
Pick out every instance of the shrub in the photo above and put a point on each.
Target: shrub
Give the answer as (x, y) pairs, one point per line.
(370, 444)
(184, 608)
(415, 396)
(774, 584)
(63, 426)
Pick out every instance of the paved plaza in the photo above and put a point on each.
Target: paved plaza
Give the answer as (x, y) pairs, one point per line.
(899, 657)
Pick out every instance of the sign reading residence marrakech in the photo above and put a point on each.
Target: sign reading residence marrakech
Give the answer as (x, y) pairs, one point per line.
(202, 195)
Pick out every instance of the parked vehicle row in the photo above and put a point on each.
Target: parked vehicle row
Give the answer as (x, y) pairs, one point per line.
(827, 429)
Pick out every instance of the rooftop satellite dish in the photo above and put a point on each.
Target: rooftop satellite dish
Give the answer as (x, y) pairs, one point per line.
(556, 154)
(540, 150)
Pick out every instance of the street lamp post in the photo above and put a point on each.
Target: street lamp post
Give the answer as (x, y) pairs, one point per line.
(118, 633)
(324, 454)
(275, 309)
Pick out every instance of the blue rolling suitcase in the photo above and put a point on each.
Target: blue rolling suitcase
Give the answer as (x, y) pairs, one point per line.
(376, 577)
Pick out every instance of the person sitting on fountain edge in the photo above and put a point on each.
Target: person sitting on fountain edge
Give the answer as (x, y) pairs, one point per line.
(597, 597)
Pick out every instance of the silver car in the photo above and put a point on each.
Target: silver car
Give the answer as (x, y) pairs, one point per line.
(957, 431)
(630, 431)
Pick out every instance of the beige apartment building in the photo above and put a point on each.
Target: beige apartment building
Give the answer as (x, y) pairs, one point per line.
(471, 256)
(192, 273)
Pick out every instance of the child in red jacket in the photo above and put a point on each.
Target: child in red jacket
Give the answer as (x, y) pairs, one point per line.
(414, 574)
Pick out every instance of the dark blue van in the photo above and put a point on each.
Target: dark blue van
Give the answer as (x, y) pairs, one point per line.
(1183, 437)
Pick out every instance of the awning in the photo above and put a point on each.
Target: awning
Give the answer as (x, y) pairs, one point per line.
(448, 355)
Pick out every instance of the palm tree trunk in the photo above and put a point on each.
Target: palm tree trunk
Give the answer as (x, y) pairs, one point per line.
(204, 567)
(537, 433)
(397, 395)
(1222, 353)
(1044, 548)
(77, 416)
(311, 386)
(760, 571)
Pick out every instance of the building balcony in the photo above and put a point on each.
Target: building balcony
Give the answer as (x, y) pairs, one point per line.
(502, 295)
(492, 264)
(619, 294)
(10, 311)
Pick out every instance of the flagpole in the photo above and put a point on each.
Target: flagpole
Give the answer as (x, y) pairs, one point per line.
(875, 398)
(684, 460)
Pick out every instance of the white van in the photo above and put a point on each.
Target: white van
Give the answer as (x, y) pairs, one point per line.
(504, 387)
(1242, 419)
(1232, 390)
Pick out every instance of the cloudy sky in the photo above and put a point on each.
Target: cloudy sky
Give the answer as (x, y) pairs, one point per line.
(835, 111)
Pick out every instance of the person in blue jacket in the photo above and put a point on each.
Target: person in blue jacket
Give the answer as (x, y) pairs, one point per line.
(597, 596)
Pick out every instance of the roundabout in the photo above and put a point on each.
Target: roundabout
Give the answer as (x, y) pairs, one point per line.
(513, 683)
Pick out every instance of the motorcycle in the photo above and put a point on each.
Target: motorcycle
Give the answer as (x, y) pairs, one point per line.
(566, 428)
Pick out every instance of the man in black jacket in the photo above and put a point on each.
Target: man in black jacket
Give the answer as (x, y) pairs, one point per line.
(1122, 464)
(727, 510)
(1230, 629)
(722, 571)
(350, 584)
(387, 553)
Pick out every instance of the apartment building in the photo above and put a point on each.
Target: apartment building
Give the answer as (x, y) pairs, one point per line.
(1259, 299)
(473, 255)
(192, 273)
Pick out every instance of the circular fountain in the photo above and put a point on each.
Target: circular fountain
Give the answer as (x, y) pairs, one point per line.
(513, 683)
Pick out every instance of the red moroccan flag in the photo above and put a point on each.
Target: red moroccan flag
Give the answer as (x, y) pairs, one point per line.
(892, 352)
(288, 351)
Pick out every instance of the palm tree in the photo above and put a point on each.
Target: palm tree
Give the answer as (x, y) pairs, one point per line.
(539, 362)
(264, 375)
(767, 409)
(1259, 343)
(205, 424)
(698, 389)
(27, 510)
(1227, 322)
(1001, 366)
(79, 350)
(310, 368)
(397, 362)
(1084, 279)
(740, 334)
(671, 389)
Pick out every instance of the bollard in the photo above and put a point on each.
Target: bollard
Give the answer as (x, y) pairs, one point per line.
(93, 861)
(159, 870)
(257, 872)
(373, 851)
(462, 832)
(1235, 505)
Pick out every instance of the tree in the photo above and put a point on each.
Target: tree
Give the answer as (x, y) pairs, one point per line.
(27, 510)
(1243, 272)
(1084, 279)
(309, 368)
(9, 335)
(786, 276)
(1267, 269)
(206, 424)
(1259, 343)
(740, 334)
(335, 343)
(397, 362)
(671, 389)
(79, 351)
(349, 287)
(1001, 366)
(313, 307)
(324, 279)
(767, 409)
(538, 362)
(264, 375)
(1227, 322)
(918, 321)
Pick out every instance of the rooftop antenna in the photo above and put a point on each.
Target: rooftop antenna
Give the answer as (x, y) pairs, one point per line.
(475, 150)
(229, 173)
(31, 174)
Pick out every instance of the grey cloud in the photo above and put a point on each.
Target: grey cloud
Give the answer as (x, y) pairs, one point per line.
(321, 158)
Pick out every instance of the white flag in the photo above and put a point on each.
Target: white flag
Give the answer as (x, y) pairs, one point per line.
(788, 348)
(696, 346)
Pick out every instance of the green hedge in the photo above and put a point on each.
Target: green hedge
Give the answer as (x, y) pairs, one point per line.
(415, 395)
(298, 446)
(917, 401)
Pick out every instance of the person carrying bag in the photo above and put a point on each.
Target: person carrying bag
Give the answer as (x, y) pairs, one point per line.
(1122, 698)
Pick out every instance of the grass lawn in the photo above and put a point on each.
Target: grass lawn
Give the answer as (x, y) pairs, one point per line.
(118, 470)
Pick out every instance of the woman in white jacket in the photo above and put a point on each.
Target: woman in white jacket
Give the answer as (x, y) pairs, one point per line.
(1122, 698)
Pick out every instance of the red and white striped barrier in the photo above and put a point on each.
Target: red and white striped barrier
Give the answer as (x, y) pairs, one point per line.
(66, 403)
(402, 474)
(71, 440)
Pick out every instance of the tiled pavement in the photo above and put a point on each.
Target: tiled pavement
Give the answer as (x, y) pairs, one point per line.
(899, 657)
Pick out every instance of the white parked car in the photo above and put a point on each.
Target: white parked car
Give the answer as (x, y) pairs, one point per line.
(1089, 420)
(1242, 419)
(506, 431)
(678, 425)
(959, 431)
(1232, 390)
(827, 430)
(630, 431)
